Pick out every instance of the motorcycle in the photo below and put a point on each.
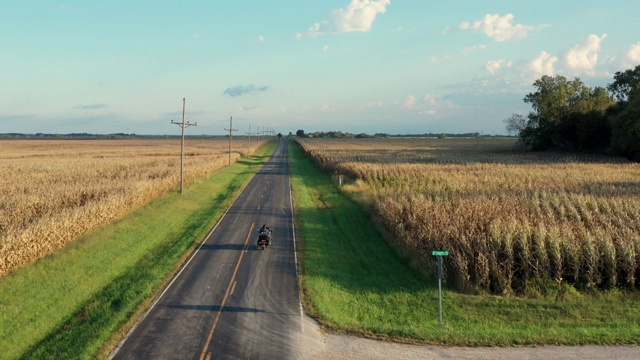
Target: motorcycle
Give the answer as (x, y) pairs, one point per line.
(264, 239)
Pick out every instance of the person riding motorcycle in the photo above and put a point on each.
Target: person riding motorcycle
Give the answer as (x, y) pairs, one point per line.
(264, 232)
(264, 229)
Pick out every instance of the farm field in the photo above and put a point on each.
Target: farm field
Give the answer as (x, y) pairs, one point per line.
(354, 282)
(513, 222)
(79, 301)
(52, 191)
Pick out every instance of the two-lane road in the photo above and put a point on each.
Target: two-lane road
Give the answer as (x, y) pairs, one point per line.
(232, 300)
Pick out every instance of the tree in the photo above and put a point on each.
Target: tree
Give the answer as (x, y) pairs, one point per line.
(625, 82)
(558, 107)
(515, 124)
(300, 133)
(625, 124)
(557, 97)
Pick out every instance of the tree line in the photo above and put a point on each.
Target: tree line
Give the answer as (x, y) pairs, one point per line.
(568, 115)
(348, 135)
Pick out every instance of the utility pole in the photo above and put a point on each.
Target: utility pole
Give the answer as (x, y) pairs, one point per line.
(183, 125)
(231, 129)
(249, 133)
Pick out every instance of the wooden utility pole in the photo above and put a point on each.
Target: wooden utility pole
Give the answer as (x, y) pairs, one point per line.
(183, 125)
(249, 133)
(231, 130)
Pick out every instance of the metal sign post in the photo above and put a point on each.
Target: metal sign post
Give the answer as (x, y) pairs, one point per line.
(440, 254)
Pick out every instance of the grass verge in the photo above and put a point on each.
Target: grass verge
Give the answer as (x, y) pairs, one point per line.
(353, 282)
(71, 303)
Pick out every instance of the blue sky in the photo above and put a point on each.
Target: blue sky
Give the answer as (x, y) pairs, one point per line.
(392, 66)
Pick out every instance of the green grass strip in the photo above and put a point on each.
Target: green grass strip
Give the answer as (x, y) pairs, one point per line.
(353, 282)
(71, 303)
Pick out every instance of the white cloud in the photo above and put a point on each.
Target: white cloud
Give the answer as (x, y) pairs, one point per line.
(297, 36)
(543, 64)
(376, 104)
(430, 99)
(634, 53)
(325, 48)
(426, 105)
(464, 52)
(471, 49)
(359, 15)
(584, 57)
(261, 38)
(493, 66)
(496, 27)
(409, 102)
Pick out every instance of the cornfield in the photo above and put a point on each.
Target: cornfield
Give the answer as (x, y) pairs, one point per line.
(506, 216)
(52, 191)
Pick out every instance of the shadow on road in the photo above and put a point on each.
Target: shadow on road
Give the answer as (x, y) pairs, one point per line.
(222, 247)
(214, 308)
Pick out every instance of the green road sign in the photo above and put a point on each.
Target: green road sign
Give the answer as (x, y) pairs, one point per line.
(440, 253)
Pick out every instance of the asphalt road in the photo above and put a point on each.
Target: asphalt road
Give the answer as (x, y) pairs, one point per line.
(232, 300)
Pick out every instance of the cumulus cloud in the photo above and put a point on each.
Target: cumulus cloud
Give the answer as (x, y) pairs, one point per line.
(90, 106)
(634, 53)
(359, 15)
(409, 102)
(543, 64)
(244, 89)
(584, 57)
(496, 27)
(430, 99)
(493, 66)
(426, 105)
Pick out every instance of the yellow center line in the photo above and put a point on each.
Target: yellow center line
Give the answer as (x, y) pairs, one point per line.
(226, 295)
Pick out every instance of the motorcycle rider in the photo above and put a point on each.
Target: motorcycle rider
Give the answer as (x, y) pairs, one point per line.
(264, 230)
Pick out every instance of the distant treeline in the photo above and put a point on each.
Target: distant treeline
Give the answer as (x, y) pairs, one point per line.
(348, 135)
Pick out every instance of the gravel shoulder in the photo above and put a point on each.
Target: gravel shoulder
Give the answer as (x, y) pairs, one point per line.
(316, 344)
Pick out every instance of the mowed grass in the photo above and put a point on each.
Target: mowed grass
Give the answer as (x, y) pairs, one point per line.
(79, 301)
(353, 282)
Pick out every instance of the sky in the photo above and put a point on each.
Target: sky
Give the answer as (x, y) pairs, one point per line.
(359, 66)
